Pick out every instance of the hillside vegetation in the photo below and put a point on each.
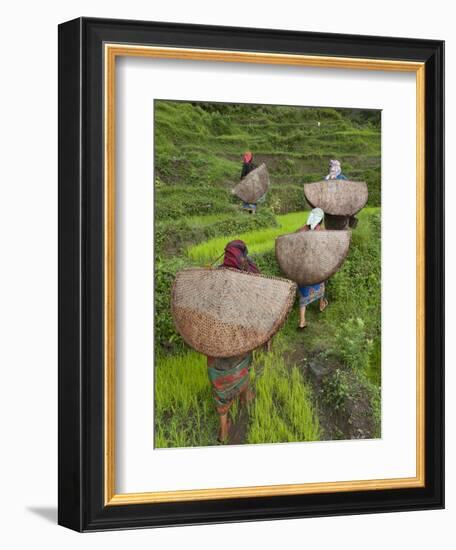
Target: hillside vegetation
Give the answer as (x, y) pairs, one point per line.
(198, 149)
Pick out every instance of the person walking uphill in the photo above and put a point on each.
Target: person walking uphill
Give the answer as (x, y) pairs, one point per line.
(247, 164)
(247, 167)
(230, 376)
(335, 173)
(311, 293)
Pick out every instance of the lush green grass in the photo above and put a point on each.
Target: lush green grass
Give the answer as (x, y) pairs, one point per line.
(184, 411)
(173, 236)
(185, 414)
(257, 241)
(262, 240)
(282, 410)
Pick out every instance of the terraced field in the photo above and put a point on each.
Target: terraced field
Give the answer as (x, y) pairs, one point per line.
(320, 384)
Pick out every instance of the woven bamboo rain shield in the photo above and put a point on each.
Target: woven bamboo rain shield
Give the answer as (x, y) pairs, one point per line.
(254, 185)
(226, 312)
(310, 257)
(337, 197)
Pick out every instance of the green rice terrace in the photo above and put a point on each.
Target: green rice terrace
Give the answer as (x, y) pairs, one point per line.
(322, 383)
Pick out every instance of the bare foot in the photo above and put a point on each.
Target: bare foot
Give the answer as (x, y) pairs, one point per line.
(301, 327)
(323, 304)
(224, 433)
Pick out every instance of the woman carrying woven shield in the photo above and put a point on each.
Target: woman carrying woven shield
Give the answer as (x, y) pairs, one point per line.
(335, 173)
(247, 167)
(311, 293)
(230, 376)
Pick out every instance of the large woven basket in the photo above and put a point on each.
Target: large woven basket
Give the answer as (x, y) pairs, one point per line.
(254, 185)
(310, 257)
(337, 197)
(226, 312)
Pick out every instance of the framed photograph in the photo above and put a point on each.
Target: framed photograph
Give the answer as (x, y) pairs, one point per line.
(251, 313)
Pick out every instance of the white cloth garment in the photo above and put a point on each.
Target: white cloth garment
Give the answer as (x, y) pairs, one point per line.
(334, 170)
(315, 218)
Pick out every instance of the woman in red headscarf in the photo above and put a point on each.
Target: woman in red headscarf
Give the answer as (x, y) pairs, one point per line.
(247, 167)
(236, 257)
(230, 376)
(247, 164)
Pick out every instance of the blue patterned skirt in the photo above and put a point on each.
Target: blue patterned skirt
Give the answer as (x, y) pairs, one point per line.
(311, 293)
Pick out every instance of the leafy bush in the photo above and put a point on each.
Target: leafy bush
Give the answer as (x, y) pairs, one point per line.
(352, 345)
(165, 335)
(337, 390)
(267, 263)
(355, 290)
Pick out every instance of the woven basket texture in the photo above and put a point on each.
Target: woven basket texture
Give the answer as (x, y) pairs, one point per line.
(337, 197)
(226, 312)
(254, 185)
(310, 257)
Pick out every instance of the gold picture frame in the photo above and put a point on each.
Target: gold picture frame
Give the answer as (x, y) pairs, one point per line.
(113, 52)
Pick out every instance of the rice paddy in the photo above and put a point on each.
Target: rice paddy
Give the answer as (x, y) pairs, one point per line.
(197, 162)
(258, 241)
(281, 411)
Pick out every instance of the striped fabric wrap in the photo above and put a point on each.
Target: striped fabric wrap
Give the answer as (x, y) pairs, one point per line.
(229, 377)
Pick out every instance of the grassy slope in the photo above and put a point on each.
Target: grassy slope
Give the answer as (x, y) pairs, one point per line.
(259, 241)
(198, 147)
(197, 161)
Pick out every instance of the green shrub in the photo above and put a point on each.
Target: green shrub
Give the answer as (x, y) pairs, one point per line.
(267, 263)
(352, 345)
(165, 335)
(351, 396)
(355, 290)
(337, 390)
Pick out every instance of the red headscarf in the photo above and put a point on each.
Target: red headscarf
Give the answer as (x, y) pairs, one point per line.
(236, 257)
(248, 157)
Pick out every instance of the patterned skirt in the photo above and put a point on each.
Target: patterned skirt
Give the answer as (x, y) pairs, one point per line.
(229, 377)
(308, 294)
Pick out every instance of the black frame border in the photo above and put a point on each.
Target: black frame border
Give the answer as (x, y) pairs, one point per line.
(80, 225)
